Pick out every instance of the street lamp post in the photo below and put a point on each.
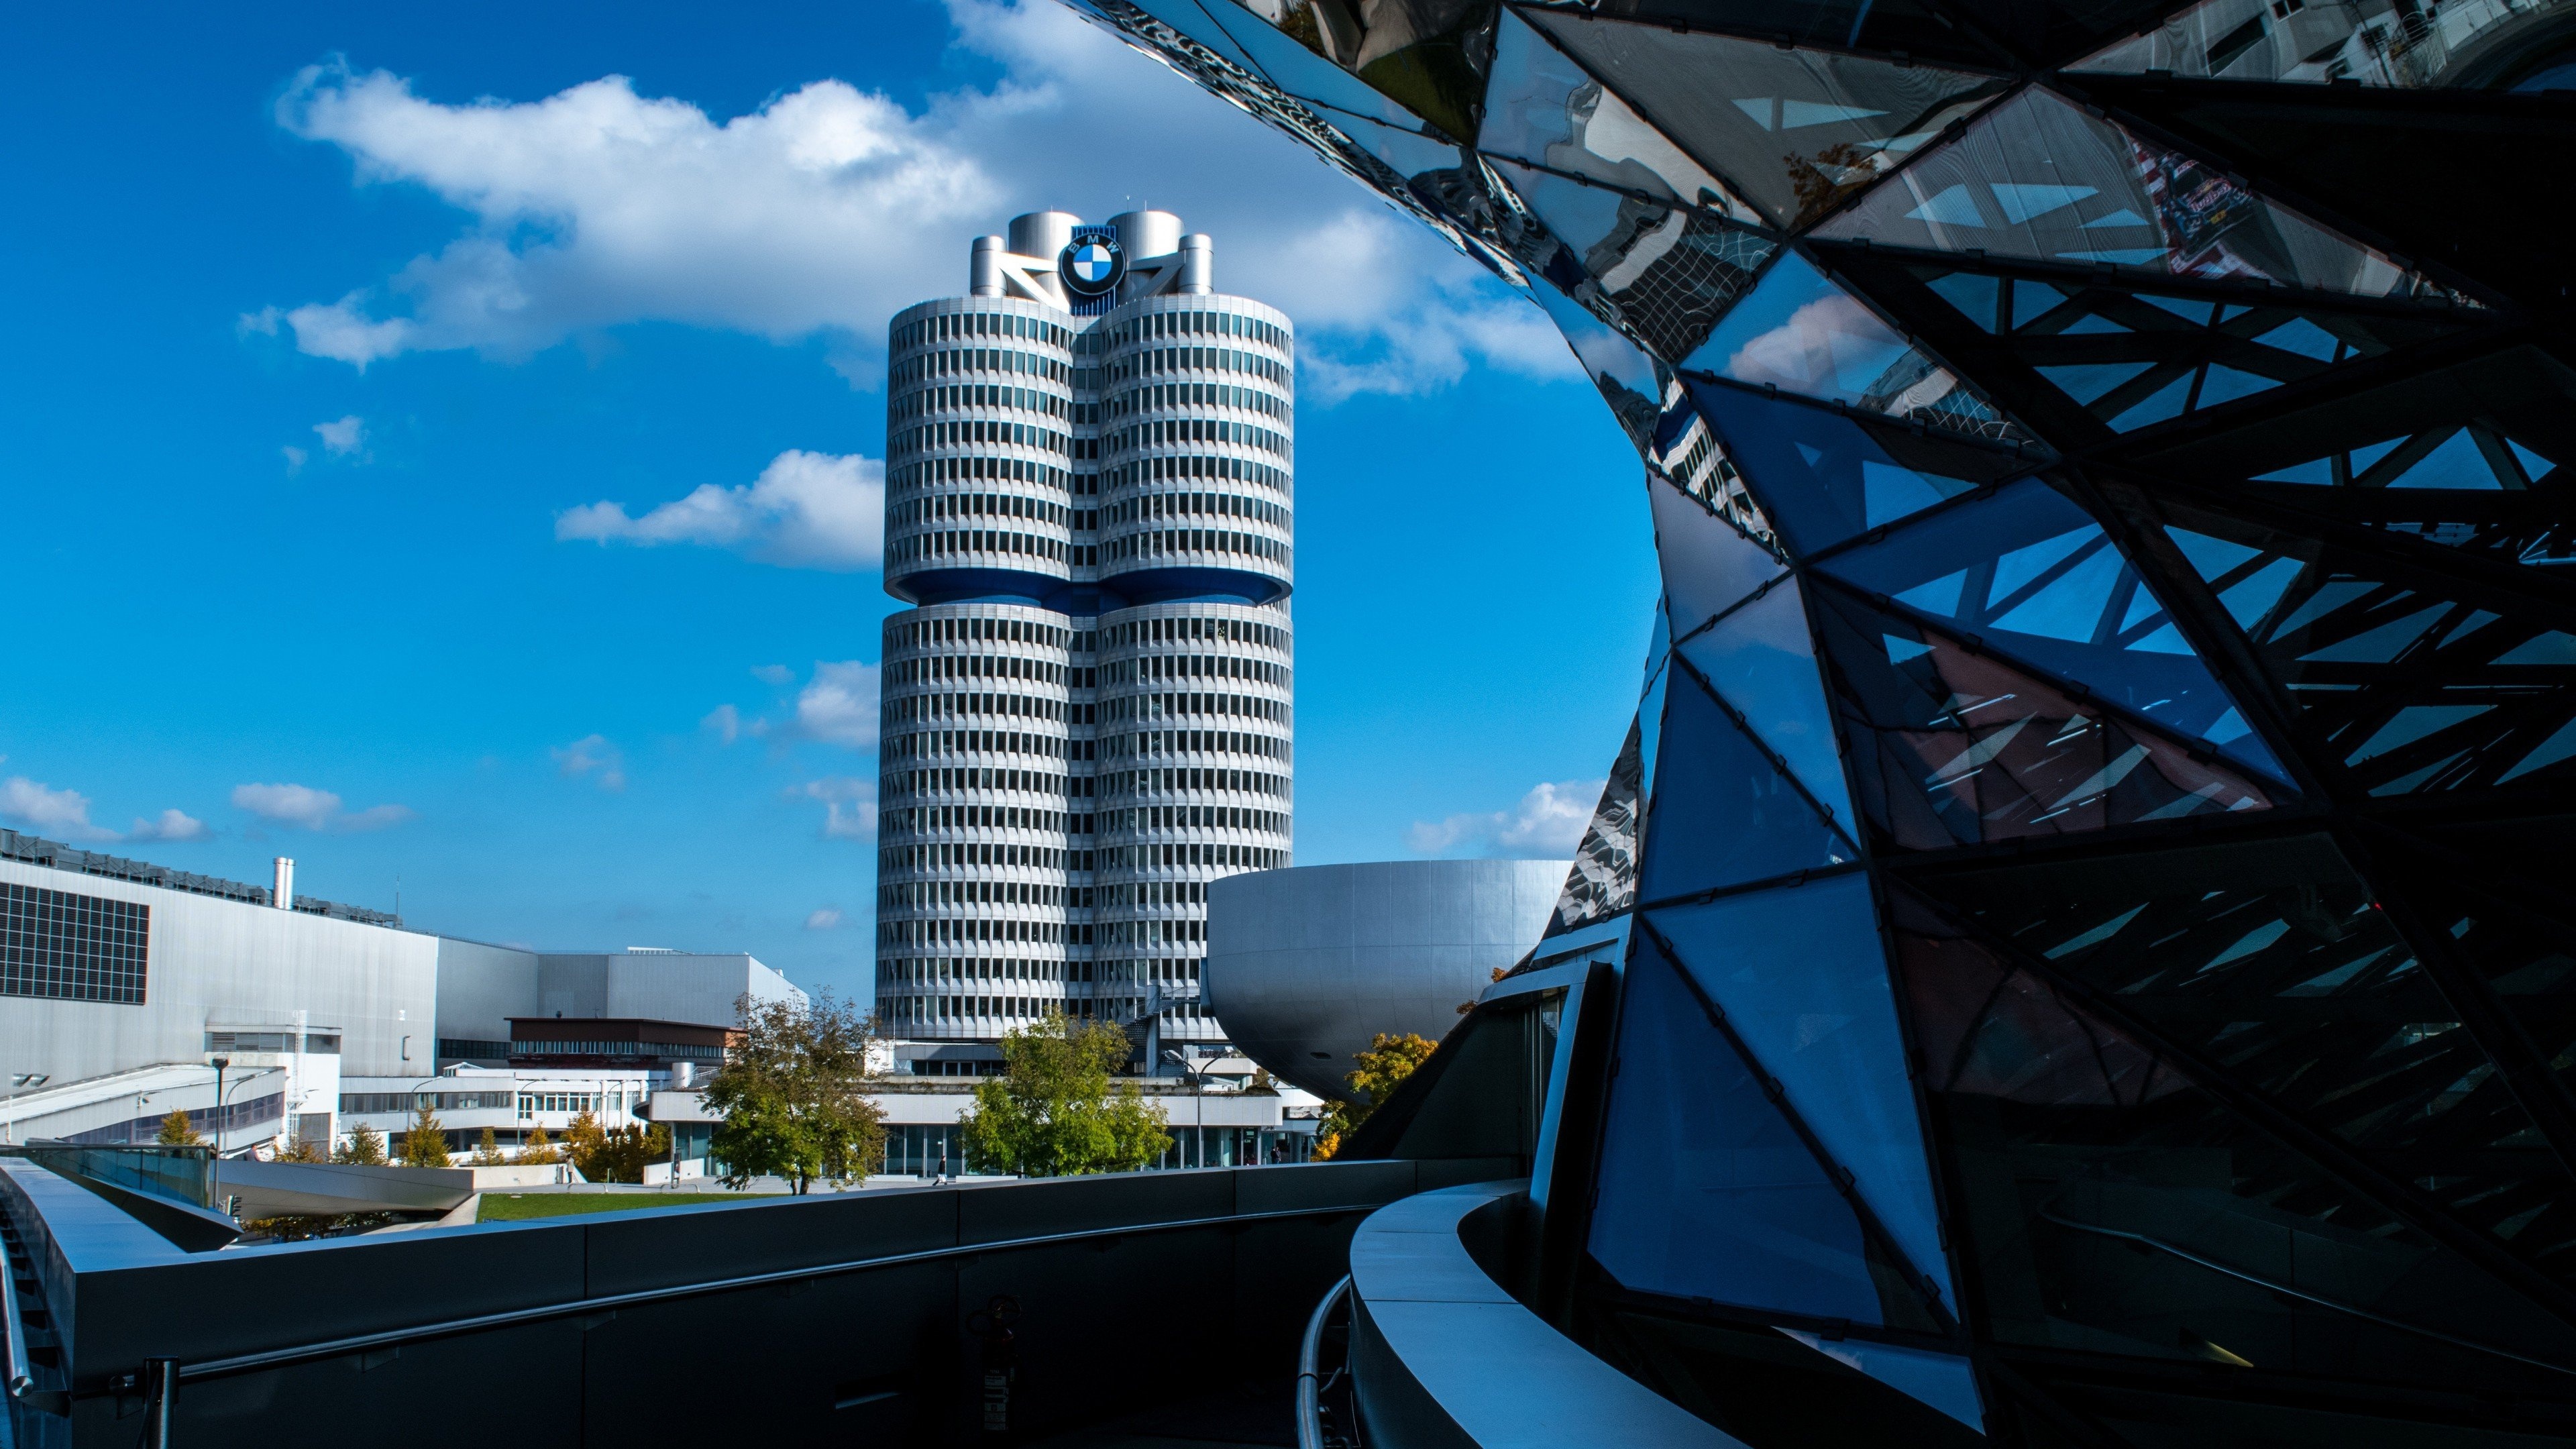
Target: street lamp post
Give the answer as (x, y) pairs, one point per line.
(19, 1082)
(1198, 1102)
(219, 1063)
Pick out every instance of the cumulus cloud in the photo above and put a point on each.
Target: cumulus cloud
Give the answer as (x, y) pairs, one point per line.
(828, 208)
(172, 825)
(839, 705)
(849, 805)
(342, 438)
(1547, 823)
(48, 811)
(311, 809)
(593, 755)
(773, 674)
(805, 510)
(823, 920)
(295, 457)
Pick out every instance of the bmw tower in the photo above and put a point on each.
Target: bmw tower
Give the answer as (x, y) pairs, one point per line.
(1087, 712)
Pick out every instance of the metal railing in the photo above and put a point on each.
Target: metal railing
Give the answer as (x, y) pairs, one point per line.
(182, 1173)
(1310, 1387)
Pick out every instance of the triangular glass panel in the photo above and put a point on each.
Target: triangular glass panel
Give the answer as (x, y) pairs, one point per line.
(1824, 476)
(2413, 691)
(1763, 664)
(2245, 40)
(1708, 565)
(1802, 978)
(1298, 60)
(2451, 457)
(1800, 333)
(1650, 727)
(1670, 270)
(1543, 110)
(1793, 131)
(1952, 746)
(1884, 27)
(2033, 575)
(1943, 1380)
(2086, 1140)
(1603, 881)
(1723, 813)
(1431, 60)
(1707, 1192)
(2187, 220)
(1632, 382)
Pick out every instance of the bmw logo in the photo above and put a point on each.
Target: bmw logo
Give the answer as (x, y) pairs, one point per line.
(1092, 266)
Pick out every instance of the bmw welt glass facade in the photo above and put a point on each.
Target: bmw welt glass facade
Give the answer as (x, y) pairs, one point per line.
(2082, 944)
(1088, 712)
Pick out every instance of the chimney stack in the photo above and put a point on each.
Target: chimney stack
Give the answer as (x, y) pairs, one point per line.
(283, 896)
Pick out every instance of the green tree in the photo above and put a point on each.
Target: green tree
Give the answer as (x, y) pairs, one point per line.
(538, 1149)
(425, 1145)
(1053, 1112)
(366, 1147)
(177, 1130)
(793, 1095)
(614, 1154)
(487, 1153)
(1374, 1077)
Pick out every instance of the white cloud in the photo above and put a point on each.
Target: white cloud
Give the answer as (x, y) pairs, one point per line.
(726, 721)
(295, 457)
(823, 920)
(1547, 823)
(344, 437)
(806, 510)
(593, 754)
(173, 825)
(48, 811)
(313, 809)
(849, 805)
(773, 674)
(829, 208)
(839, 705)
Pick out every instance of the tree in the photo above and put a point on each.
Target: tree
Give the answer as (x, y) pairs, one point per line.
(538, 1149)
(425, 1145)
(1052, 1112)
(1374, 1077)
(614, 1154)
(794, 1095)
(177, 1130)
(487, 1153)
(366, 1147)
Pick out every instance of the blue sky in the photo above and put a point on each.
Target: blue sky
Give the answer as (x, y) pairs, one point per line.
(332, 329)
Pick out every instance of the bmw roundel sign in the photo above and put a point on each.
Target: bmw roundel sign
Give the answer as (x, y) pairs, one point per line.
(1092, 266)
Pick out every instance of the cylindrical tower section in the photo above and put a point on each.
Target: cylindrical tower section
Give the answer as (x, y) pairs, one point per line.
(983, 818)
(1198, 450)
(980, 423)
(1196, 779)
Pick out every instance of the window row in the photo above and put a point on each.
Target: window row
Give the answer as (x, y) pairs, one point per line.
(982, 893)
(991, 505)
(1146, 782)
(956, 930)
(957, 470)
(66, 946)
(1184, 628)
(354, 1102)
(532, 1103)
(1194, 323)
(917, 818)
(923, 970)
(930, 743)
(697, 1050)
(1155, 668)
(949, 543)
(977, 777)
(1198, 540)
(922, 401)
(1192, 817)
(984, 666)
(1147, 744)
(962, 1008)
(1152, 933)
(1209, 853)
(963, 628)
(975, 432)
(981, 852)
(321, 1043)
(1175, 706)
(943, 326)
(963, 704)
(1157, 470)
(1157, 361)
(957, 361)
(1165, 431)
(1195, 395)
(1149, 506)
(1156, 893)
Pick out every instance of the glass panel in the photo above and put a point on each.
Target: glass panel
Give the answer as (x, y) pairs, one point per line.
(2375, 43)
(1802, 978)
(1763, 665)
(2107, 1200)
(2033, 574)
(2448, 457)
(1723, 814)
(1631, 381)
(1908, 27)
(1670, 271)
(2415, 693)
(1603, 881)
(1826, 476)
(1800, 333)
(1943, 1380)
(1650, 717)
(1794, 130)
(1952, 746)
(1707, 564)
(2036, 177)
(1704, 1192)
(1544, 110)
(1295, 61)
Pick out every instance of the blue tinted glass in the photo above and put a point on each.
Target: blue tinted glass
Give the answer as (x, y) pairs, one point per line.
(1627, 377)
(1289, 65)
(1704, 1191)
(1942, 1380)
(1650, 722)
(1707, 564)
(1762, 662)
(1542, 108)
(1722, 814)
(1822, 477)
(1802, 333)
(2033, 573)
(1802, 977)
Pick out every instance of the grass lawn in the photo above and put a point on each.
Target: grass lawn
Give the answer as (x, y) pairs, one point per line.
(501, 1207)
